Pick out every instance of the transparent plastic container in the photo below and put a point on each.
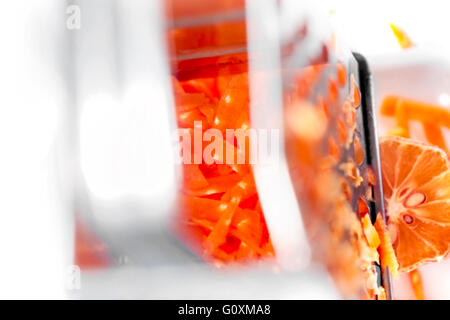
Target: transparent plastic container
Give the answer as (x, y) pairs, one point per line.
(159, 217)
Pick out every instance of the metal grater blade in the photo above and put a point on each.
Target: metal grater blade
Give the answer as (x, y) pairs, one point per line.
(368, 126)
(327, 219)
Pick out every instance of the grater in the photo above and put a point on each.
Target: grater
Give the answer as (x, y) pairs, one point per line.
(290, 33)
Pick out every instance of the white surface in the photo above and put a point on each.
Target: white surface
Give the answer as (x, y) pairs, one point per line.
(171, 282)
(365, 24)
(33, 244)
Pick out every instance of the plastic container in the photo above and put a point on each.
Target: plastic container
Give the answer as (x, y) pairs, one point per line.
(153, 223)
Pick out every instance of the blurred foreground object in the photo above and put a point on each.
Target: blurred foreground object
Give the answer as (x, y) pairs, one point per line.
(268, 68)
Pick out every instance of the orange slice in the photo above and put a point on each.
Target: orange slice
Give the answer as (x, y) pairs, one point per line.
(416, 182)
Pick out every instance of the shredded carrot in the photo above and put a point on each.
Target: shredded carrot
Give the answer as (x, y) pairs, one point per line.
(401, 118)
(333, 149)
(363, 209)
(434, 135)
(388, 104)
(221, 228)
(385, 249)
(416, 283)
(416, 110)
(333, 92)
(402, 38)
(193, 177)
(432, 117)
(359, 151)
(218, 201)
(341, 74)
(370, 232)
(349, 112)
(355, 94)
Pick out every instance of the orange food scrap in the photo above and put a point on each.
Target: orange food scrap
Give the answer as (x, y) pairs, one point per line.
(351, 171)
(402, 38)
(307, 78)
(401, 117)
(333, 149)
(346, 190)
(363, 209)
(388, 105)
(193, 178)
(416, 183)
(333, 91)
(433, 117)
(341, 74)
(370, 232)
(359, 152)
(434, 135)
(417, 110)
(90, 251)
(416, 283)
(219, 205)
(371, 176)
(322, 106)
(355, 94)
(233, 104)
(218, 234)
(349, 113)
(385, 249)
(397, 132)
(342, 130)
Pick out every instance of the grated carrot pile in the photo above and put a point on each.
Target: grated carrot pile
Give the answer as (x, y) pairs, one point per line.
(219, 204)
(432, 117)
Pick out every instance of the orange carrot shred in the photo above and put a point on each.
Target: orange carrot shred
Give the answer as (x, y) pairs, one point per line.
(333, 92)
(386, 251)
(355, 95)
(402, 38)
(417, 110)
(218, 201)
(370, 232)
(362, 208)
(416, 283)
(431, 116)
(341, 74)
(434, 135)
(401, 116)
